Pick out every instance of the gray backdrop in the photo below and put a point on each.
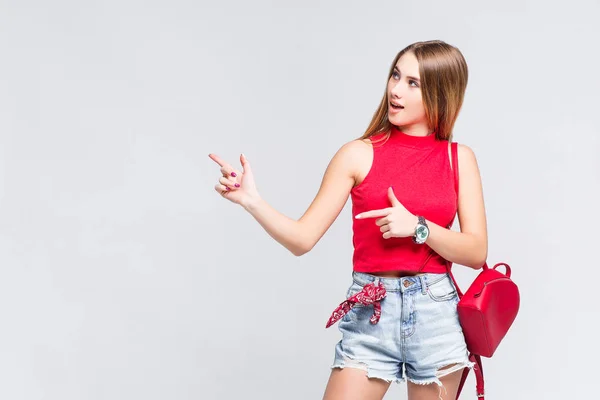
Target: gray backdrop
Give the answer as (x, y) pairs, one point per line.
(125, 276)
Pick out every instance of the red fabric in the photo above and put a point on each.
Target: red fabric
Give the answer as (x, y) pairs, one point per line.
(418, 168)
(370, 294)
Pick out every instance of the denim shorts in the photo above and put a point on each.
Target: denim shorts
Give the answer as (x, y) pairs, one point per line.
(418, 332)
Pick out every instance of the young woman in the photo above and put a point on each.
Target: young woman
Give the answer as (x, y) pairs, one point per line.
(399, 320)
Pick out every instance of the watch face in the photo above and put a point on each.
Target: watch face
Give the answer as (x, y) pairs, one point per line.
(422, 233)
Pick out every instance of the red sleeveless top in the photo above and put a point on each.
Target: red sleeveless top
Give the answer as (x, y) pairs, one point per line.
(419, 170)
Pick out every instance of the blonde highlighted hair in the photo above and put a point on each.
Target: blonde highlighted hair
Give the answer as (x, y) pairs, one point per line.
(444, 75)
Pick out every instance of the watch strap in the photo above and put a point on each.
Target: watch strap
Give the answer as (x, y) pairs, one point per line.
(421, 222)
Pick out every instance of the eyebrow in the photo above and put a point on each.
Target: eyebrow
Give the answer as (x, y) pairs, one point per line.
(410, 77)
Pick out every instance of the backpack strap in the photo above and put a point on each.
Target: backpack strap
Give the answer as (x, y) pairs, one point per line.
(478, 368)
(454, 151)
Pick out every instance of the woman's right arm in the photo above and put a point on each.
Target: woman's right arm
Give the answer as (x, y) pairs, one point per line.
(300, 236)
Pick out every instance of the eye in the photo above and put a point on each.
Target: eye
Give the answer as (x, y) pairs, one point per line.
(415, 82)
(395, 75)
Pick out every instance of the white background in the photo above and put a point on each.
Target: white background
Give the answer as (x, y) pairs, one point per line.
(124, 275)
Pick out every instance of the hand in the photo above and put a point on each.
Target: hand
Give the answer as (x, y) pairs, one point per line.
(237, 187)
(396, 221)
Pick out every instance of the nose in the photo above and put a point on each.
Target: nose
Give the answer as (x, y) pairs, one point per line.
(396, 90)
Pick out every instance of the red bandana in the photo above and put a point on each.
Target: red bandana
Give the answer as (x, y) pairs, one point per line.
(370, 294)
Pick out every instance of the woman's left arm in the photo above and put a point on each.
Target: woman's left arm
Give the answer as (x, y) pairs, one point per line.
(468, 247)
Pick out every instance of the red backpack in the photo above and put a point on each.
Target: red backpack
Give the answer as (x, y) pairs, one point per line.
(486, 310)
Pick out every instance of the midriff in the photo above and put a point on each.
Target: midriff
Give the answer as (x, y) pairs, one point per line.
(394, 274)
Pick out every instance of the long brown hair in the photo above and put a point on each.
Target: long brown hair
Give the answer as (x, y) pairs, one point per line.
(444, 76)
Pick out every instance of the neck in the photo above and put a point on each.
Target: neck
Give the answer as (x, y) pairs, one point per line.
(415, 129)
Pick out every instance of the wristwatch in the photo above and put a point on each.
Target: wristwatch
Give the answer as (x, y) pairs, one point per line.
(421, 231)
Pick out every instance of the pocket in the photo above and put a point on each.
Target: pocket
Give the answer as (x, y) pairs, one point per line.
(351, 315)
(442, 290)
(352, 290)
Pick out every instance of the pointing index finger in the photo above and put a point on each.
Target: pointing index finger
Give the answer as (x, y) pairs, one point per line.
(226, 168)
(373, 213)
(218, 160)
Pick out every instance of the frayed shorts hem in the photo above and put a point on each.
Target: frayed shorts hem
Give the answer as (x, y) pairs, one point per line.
(458, 365)
(391, 378)
(371, 373)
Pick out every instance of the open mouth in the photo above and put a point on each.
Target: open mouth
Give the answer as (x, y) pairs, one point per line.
(396, 106)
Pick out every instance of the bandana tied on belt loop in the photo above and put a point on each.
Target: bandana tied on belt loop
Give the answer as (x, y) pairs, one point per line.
(370, 294)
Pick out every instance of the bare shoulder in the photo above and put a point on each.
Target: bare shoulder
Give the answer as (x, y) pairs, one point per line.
(470, 184)
(467, 161)
(359, 154)
(465, 153)
(466, 156)
(356, 147)
(358, 157)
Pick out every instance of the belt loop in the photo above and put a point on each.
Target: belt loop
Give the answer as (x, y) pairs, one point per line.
(423, 284)
(376, 281)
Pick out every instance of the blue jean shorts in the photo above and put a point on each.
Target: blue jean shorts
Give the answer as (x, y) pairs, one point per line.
(417, 335)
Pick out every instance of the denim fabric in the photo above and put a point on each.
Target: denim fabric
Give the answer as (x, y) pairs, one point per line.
(418, 333)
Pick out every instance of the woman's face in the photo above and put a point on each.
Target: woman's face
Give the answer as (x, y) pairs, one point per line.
(405, 104)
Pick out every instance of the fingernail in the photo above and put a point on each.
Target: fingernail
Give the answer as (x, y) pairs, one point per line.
(237, 185)
(227, 188)
(233, 174)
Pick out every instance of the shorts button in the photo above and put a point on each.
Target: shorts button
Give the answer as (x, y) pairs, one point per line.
(407, 283)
